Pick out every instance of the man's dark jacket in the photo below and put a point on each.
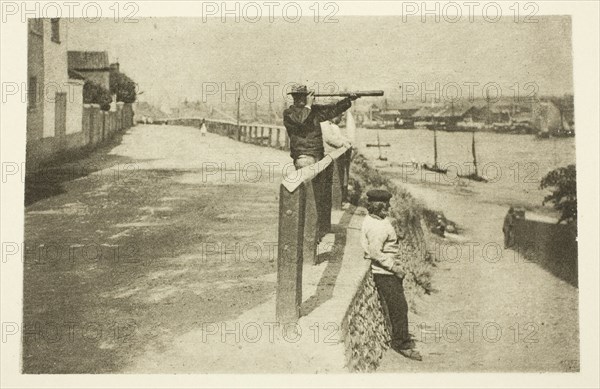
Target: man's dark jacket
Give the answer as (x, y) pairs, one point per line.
(304, 126)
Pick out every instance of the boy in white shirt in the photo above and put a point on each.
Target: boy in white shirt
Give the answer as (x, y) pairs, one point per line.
(380, 244)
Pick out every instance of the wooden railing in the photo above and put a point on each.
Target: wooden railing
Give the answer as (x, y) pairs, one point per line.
(306, 199)
(261, 134)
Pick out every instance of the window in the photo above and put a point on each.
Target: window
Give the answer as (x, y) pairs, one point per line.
(32, 92)
(55, 22)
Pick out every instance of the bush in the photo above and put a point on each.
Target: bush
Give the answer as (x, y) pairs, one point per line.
(122, 86)
(96, 94)
(563, 182)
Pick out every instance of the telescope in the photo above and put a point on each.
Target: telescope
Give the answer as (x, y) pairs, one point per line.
(361, 93)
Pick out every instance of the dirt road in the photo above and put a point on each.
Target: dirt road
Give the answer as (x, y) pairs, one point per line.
(141, 241)
(493, 310)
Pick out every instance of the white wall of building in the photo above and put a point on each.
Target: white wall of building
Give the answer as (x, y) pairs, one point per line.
(56, 77)
(74, 107)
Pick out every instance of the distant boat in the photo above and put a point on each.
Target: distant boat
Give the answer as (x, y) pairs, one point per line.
(379, 145)
(475, 175)
(435, 167)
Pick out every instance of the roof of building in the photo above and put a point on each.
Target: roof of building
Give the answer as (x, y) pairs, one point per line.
(394, 113)
(441, 112)
(408, 111)
(75, 75)
(88, 60)
(521, 117)
(426, 112)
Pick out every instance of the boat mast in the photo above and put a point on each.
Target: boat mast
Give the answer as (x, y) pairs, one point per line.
(434, 136)
(238, 111)
(489, 107)
(474, 154)
(434, 148)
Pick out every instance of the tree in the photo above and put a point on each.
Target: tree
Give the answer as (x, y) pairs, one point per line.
(563, 182)
(122, 86)
(96, 94)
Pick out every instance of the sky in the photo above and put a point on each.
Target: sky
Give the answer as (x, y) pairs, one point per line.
(173, 59)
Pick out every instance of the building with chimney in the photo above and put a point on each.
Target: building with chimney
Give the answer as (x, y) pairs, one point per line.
(92, 65)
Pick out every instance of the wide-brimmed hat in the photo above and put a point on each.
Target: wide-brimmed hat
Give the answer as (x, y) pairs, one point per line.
(298, 90)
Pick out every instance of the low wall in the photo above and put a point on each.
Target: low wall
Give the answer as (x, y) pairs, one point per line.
(552, 246)
(365, 330)
(97, 127)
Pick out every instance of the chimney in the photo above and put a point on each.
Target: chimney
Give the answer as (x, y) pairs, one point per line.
(114, 67)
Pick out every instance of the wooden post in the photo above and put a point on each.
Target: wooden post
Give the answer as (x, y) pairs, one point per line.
(337, 182)
(325, 201)
(346, 177)
(278, 143)
(103, 124)
(289, 254)
(311, 220)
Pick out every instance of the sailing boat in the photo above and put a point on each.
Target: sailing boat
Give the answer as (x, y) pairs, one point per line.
(378, 144)
(435, 167)
(475, 175)
(381, 158)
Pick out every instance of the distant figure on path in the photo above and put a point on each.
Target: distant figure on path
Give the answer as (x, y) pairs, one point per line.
(203, 129)
(302, 121)
(380, 244)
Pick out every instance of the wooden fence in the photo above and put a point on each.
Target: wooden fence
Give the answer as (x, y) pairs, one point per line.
(99, 125)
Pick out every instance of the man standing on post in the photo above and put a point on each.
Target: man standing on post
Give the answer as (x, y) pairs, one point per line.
(302, 121)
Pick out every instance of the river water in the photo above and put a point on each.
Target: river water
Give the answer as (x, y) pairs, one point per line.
(512, 164)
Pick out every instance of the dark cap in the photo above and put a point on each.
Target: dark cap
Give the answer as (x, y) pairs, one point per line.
(379, 195)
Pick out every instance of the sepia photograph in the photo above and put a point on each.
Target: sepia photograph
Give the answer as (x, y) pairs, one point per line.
(300, 188)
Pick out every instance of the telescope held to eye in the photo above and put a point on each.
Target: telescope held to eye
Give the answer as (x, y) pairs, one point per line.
(361, 93)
